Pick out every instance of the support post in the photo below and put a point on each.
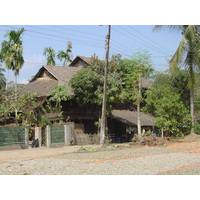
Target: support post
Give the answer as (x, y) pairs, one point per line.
(26, 144)
(103, 114)
(72, 137)
(38, 135)
(48, 136)
(67, 133)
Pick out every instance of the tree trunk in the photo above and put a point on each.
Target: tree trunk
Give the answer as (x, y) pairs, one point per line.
(192, 82)
(162, 133)
(15, 84)
(7, 79)
(15, 95)
(138, 119)
(192, 108)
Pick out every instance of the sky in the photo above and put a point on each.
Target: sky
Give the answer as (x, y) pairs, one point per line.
(88, 40)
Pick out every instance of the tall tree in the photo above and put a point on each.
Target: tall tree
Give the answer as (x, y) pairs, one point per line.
(12, 52)
(64, 55)
(50, 54)
(187, 53)
(137, 68)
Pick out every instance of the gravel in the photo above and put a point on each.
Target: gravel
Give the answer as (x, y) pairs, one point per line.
(141, 161)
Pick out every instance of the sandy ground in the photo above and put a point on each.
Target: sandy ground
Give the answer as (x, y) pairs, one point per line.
(180, 157)
(176, 159)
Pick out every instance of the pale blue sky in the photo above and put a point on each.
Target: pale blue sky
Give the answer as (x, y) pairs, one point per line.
(89, 39)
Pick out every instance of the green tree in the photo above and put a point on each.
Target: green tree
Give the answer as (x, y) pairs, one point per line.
(137, 68)
(12, 52)
(64, 55)
(50, 54)
(170, 113)
(58, 93)
(187, 53)
(178, 81)
(27, 104)
(87, 85)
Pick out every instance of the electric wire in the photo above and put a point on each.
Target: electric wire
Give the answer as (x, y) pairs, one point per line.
(75, 41)
(133, 39)
(149, 39)
(76, 31)
(57, 36)
(146, 43)
(116, 47)
(62, 32)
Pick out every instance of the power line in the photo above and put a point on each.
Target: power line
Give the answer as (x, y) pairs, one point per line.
(146, 43)
(155, 49)
(62, 32)
(149, 39)
(75, 41)
(78, 31)
(115, 47)
(52, 35)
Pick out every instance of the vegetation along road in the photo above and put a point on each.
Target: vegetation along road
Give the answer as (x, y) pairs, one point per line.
(177, 158)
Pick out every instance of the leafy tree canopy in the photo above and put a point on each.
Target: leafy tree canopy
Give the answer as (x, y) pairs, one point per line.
(171, 114)
(88, 86)
(178, 81)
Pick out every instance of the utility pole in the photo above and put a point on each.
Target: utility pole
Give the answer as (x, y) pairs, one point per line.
(103, 114)
(138, 107)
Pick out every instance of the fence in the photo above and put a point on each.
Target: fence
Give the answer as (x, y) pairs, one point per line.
(57, 136)
(14, 137)
(85, 139)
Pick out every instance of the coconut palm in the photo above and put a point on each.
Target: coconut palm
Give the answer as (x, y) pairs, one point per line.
(187, 53)
(50, 56)
(64, 55)
(12, 50)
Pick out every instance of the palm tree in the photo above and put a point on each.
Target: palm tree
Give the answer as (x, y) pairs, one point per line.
(11, 52)
(64, 55)
(50, 55)
(187, 53)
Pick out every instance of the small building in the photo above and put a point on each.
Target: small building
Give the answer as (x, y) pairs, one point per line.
(123, 124)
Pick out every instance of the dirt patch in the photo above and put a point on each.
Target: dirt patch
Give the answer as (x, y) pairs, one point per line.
(151, 140)
(193, 137)
(158, 141)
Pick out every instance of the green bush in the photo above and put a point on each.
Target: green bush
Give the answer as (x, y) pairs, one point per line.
(197, 128)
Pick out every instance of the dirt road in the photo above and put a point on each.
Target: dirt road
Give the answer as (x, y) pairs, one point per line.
(178, 158)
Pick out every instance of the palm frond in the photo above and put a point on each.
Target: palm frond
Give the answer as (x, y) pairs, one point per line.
(169, 27)
(178, 55)
(190, 32)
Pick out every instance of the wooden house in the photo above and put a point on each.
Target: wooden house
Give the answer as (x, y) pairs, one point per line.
(122, 124)
(50, 76)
